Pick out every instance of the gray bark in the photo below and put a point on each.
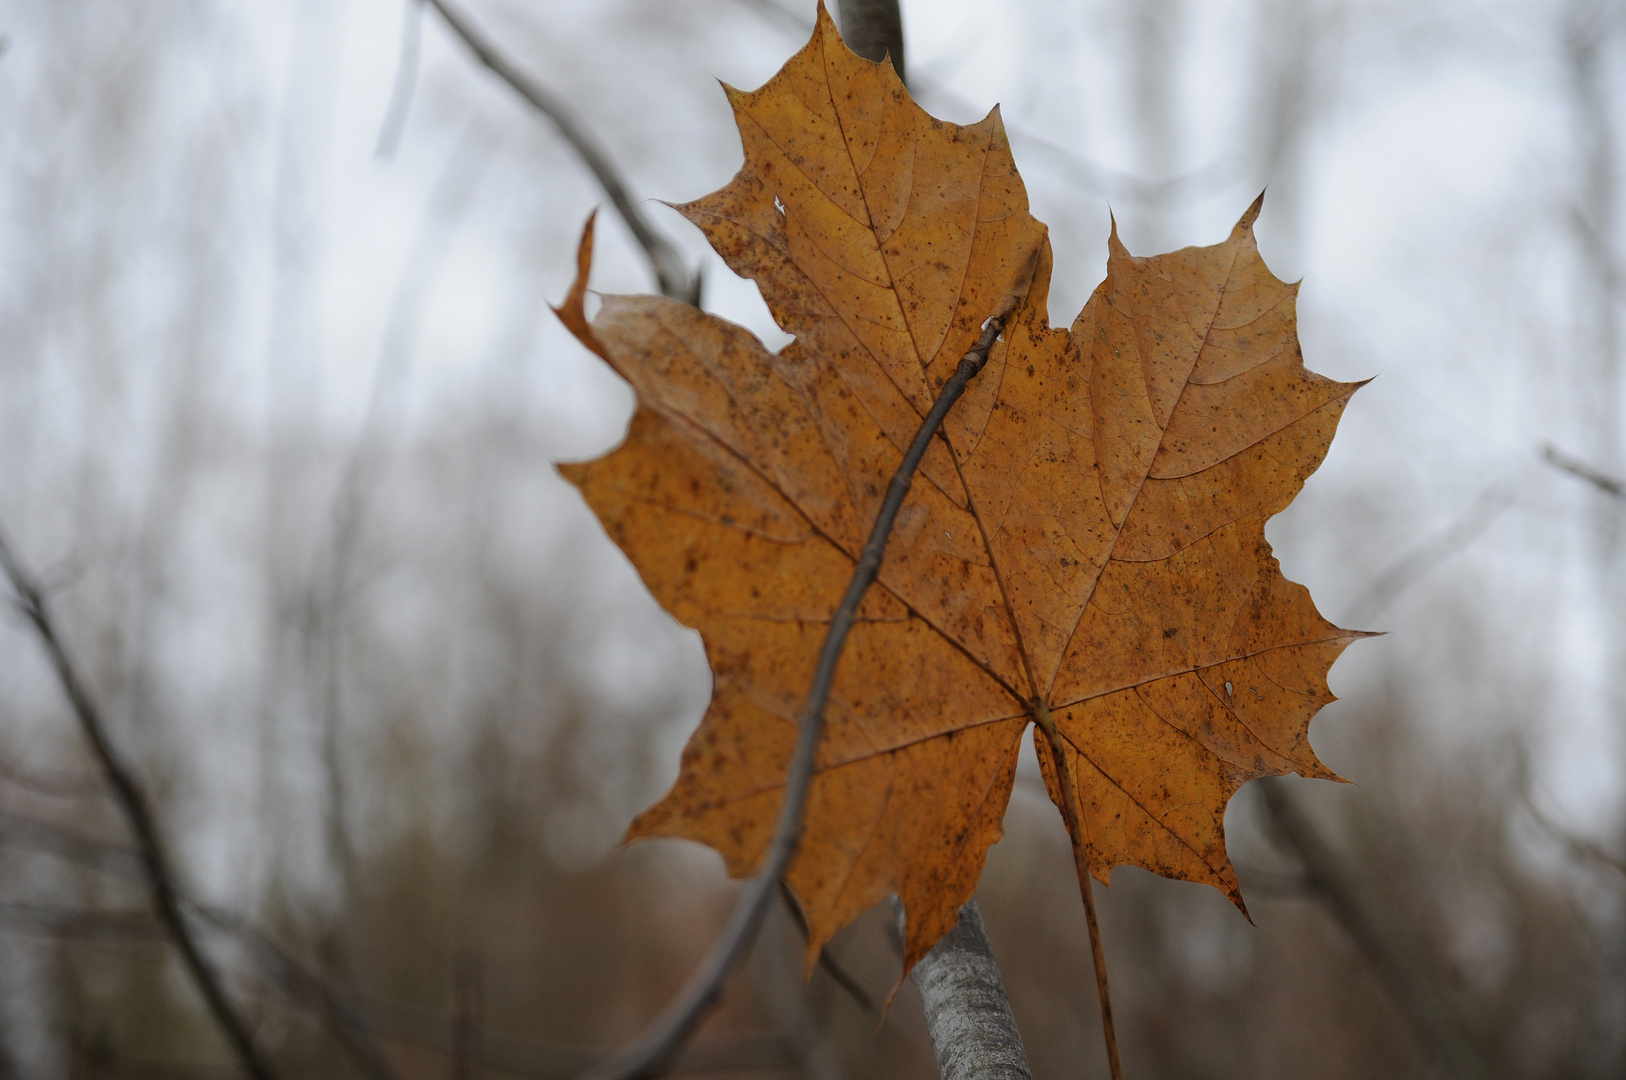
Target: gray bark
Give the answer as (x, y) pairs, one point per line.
(873, 29)
(967, 1013)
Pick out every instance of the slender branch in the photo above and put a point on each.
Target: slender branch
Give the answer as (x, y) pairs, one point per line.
(64, 922)
(837, 973)
(301, 983)
(516, 1055)
(1326, 872)
(968, 1015)
(297, 980)
(779, 961)
(1605, 483)
(1414, 564)
(1086, 888)
(57, 786)
(398, 1021)
(1579, 846)
(672, 276)
(132, 799)
(406, 78)
(647, 1055)
(405, 1023)
(24, 831)
(874, 30)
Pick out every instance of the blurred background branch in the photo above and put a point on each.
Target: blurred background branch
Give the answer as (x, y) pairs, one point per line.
(671, 276)
(1575, 467)
(132, 799)
(1338, 885)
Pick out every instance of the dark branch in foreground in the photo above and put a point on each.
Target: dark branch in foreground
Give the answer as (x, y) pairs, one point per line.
(132, 800)
(1329, 876)
(1602, 481)
(649, 1053)
(674, 279)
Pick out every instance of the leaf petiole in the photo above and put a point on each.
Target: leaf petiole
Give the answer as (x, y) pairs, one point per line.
(1069, 810)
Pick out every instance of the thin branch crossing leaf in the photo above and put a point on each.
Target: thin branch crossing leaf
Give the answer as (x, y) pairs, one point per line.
(1085, 543)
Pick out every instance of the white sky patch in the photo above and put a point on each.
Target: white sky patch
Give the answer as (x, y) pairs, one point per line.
(1442, 152)
(465, 305)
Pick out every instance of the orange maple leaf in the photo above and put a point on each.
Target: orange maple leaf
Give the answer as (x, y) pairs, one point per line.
(1087, 550)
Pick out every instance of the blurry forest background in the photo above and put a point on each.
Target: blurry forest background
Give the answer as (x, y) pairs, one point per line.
(279, 401)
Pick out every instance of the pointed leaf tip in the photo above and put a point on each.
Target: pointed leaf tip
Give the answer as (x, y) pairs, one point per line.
(823, 22)
(1115, 246)
(1250, 215)
(572, 309)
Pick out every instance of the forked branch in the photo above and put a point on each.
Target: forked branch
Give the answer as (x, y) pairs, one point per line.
(132, 800)
(648, 1054)
(672, 276)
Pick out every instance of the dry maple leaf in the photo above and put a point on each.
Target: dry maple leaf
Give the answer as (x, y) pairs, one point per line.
(1087, 547)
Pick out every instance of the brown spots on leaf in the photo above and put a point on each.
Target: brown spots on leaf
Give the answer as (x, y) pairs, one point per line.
(1090, 536)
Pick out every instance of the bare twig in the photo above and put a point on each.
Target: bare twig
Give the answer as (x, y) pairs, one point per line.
(1432, 1018)
(1609, 485)
(1414, 564)
(302, 983)
(874, 30)
(1589, 29)
(297, 980)
(21, 830)
(827, 963)
(132, 800)
(331, 592)
(646, 1056)
(516, 1055)
(397, 1021)
(406, 78)
(64, 922)
(779, 959)
(1580, 846)
(56, 785)
(974, 1035)
(672, 276)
